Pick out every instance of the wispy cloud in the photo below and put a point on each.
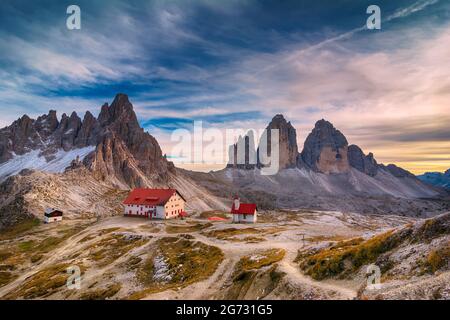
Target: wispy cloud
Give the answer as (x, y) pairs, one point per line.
(234, 63)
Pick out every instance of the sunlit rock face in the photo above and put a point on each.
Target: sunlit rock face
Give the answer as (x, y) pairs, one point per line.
(244, 156)
(288, 150)
(326, 149)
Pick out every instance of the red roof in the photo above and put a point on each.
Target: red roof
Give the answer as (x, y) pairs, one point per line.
(217, 219)
(150, 197)
(244, 208)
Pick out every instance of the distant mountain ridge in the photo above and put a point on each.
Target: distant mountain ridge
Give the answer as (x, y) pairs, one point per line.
(83, 166)
(328, 174)
(326, 150)
(437, 179)
(112, 152)
(120, 149)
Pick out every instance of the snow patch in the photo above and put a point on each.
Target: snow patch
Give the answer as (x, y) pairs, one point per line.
(32, 160)
(161, 271)
(255, 257)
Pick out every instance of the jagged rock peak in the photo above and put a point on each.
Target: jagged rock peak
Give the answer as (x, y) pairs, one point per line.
(74, 115)
(279, 118)
(25, 117)
(88, 116)
(121, 105)
(288, 149)
(357, 159)
(325, 149)
(120, 109)
(326, 131)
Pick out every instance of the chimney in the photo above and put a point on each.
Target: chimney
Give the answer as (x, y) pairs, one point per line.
(236, 202)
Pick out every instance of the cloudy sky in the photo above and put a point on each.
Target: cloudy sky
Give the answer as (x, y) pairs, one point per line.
(235, 64)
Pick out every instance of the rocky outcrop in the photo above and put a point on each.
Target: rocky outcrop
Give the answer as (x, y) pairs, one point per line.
(288, 150)
(357, 159)
(20, 137)
(46, 124)
(124, 152)
(67, 131)
(46, 134)
(326, 149)
(244, 156)
(112, 161)
(89, 131)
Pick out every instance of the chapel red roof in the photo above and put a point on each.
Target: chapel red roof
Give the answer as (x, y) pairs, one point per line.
(150, 197)
(244, 208)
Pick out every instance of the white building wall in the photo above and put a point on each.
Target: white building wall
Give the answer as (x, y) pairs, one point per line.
(172, 209)
(174, 206)
(245, 218)
(160, 212)
(52, 219)
(139, 210)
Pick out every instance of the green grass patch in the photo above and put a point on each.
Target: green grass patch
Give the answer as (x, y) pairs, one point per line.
(26, 245)
(347, 256)
(231, 234)
(42, 284)
(19, 229)
(187, 228)
(109, 249)
(259, 282)
(184, 262)
(260, 259)
(322, 238)
(6, 277)
(437, 259)
(103, 293)
(5, 255)
(249, 272)
(98, 234)
(432, 228)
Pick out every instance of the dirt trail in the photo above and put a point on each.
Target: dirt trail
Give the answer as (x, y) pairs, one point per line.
(56, 255)
(233, 252)
(291, 238)
(292, 271)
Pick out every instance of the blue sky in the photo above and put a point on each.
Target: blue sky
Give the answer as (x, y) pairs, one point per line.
(237, 63)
